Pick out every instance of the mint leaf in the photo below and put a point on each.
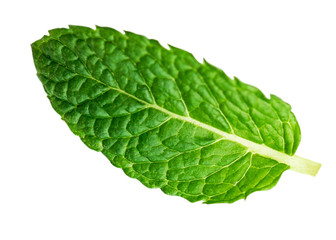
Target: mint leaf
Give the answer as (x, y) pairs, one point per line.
(166, 119)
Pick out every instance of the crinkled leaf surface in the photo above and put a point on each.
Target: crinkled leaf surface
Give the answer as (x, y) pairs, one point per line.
(164, 118)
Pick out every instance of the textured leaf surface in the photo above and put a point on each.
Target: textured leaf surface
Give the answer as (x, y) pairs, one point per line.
(164, 118)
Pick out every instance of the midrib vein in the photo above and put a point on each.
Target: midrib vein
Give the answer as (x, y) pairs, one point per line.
(295, 163)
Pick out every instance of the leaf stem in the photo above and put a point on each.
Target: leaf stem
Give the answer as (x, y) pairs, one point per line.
(303, 165)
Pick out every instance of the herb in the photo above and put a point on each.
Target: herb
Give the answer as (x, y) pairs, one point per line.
(166, 119)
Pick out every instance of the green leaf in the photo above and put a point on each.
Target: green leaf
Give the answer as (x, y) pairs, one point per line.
(166, 119)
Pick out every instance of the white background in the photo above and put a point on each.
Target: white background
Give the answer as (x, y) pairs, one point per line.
(53, 187)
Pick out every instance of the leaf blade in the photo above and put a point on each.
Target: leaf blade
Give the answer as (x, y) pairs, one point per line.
(149, 109)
